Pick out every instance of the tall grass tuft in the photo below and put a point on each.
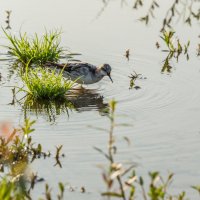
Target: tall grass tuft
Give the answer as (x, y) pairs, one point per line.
(45, 84)
(37, 49)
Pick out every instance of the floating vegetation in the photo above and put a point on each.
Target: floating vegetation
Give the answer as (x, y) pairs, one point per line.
(35, 50)
(167, 66)
(174, 49)
(150, 12)
(178, 9)
(187, 10)
(122, 182)
(8, 12)
(174, 46)
(127, 54)
(198, 50)
(133, 78)
(45, 84)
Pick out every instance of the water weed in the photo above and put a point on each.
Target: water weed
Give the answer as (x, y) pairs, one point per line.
(45, 84)
(174, 49)
(122, 182)
(174, 45)
(133, 78)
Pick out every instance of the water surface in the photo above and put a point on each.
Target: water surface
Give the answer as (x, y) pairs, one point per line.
(164, 113)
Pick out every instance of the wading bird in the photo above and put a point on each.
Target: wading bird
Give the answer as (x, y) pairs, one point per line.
(83, 73)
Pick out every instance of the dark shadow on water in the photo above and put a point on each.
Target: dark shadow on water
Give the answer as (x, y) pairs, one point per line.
(87, 100)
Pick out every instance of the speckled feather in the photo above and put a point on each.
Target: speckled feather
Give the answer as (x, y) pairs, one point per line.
(84, 73)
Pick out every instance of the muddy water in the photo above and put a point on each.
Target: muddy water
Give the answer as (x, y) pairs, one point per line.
(164, 113)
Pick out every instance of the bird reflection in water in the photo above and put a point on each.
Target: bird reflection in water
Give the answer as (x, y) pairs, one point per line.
(87, 100)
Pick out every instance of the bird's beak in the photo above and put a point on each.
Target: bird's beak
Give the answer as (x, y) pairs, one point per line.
(110, 77)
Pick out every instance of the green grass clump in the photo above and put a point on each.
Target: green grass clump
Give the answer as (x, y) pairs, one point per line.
(45, 84)
(9, 190)
(38, 50)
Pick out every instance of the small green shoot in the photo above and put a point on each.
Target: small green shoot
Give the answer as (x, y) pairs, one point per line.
(174, 49)
(133, 78)
(174, 45)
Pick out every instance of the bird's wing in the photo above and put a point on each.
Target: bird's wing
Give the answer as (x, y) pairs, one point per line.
(77, 67)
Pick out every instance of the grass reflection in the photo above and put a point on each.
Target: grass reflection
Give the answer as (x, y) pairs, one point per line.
(187, 10)
(50, 109)
(80, 100)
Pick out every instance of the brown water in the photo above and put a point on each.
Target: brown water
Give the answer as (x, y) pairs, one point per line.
(165, 112)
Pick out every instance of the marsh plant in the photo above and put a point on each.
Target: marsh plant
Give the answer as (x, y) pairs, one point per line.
(133, 77)
(17, 151)
(187, 10)
(174, 45)
(35, 50)
(198, 50)
(174, 49)
(45, 84)
(17, 148)
(114, 175)
(122, 182)
(167, 67)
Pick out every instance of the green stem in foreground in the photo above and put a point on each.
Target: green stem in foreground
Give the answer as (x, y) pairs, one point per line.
(110, 147)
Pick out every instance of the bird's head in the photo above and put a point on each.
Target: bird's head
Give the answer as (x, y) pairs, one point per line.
(105, 70)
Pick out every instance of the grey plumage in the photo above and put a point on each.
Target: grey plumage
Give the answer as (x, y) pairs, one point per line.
(82, 72)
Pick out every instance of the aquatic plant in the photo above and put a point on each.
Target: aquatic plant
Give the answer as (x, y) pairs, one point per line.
(17, 150)
(133, 78)
(122, 181)
(198, 50)
(174, 45)
(9, 190)
(188, 10)
(167, 66)
(16, 146)
(35, 50)
(45, 84)
(114, 174)
(8, 13)
(174, 49)
(150, 12)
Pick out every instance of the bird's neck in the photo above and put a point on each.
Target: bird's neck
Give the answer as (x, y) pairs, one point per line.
(99, 72)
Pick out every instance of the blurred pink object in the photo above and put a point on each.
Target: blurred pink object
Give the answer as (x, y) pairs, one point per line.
(6, 130)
